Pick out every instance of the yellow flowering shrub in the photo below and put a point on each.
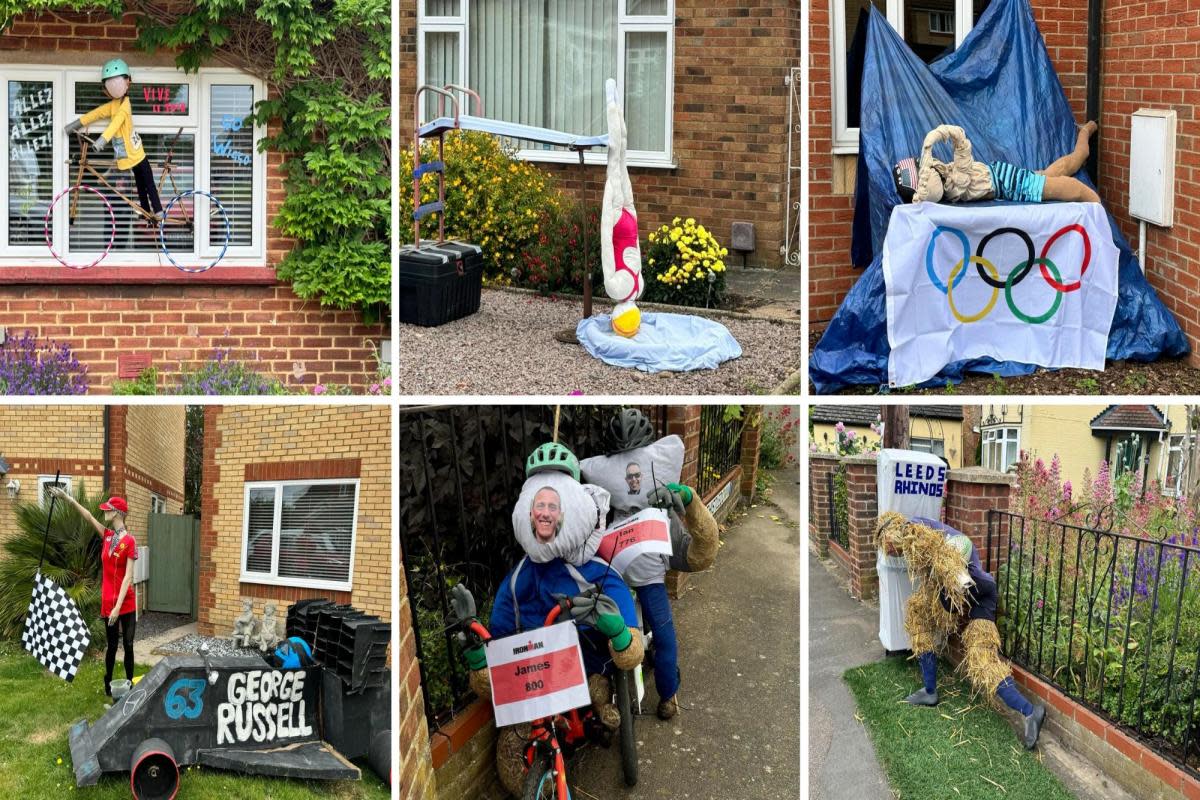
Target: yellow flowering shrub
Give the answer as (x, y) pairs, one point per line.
(492, 200)
(684, 264)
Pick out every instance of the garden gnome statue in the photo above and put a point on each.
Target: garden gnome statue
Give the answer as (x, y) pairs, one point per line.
(269, 636)
(245, 626)
(620, 253)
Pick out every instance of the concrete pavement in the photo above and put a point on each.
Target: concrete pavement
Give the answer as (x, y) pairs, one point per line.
(738, 731)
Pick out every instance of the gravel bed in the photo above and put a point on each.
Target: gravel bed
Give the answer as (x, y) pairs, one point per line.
(152, 623)
(216, 647)
(508, 348)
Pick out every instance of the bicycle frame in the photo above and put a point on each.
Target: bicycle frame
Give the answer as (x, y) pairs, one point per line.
(166, 172)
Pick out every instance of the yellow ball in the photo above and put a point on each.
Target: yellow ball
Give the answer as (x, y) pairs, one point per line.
(627, 323)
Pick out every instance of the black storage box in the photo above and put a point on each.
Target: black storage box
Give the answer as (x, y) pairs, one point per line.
(439, 283)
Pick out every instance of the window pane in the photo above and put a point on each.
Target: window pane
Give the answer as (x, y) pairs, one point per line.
(30, 160)
(315, 532)
(260, 526)
(544, 62)
(91, 225)
(48, 484)
(150, 99)
(929, 27)
(441, 67)
(646, 90)
(441, 8)
(649, 8)
(231, 171)
(856, 42)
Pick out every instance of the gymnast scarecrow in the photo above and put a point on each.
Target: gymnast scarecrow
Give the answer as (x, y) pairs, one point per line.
(559, 523)
(965, 179)
(694, 534)
(952, 582)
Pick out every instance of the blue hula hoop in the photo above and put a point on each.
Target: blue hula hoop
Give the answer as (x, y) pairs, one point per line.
(162, 226)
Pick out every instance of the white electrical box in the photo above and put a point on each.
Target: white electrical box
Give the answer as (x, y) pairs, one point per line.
(1152, 166)
(141, 567)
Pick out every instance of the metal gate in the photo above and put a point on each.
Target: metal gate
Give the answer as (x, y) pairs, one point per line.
(174, 542)
(794, 178)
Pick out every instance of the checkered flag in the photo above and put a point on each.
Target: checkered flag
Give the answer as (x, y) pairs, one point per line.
(55, 633)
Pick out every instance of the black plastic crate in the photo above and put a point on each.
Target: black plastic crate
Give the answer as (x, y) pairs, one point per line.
(440, 283)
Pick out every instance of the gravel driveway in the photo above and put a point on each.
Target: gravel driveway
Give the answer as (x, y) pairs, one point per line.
(509, 348)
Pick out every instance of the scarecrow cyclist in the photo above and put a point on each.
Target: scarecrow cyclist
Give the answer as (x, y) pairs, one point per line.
(559, 522)
(953, 583)
(694, 533)
(118, 601)
(965, 179)
(127, 145)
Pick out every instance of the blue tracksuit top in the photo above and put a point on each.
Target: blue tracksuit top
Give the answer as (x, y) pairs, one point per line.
(538, 583)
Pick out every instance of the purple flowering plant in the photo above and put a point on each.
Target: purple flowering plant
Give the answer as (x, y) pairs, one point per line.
(28, 367)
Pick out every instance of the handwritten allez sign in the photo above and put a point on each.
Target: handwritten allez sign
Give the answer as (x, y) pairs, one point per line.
(648, 531)
(537, 674)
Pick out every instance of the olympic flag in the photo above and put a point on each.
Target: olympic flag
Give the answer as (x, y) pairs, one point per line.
(1035, 284)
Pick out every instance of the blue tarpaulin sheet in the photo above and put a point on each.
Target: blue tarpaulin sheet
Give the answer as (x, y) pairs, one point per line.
(665, 343)
(1001, 88)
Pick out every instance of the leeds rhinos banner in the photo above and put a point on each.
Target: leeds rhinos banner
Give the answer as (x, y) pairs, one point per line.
(910, 482)
(1029, 283)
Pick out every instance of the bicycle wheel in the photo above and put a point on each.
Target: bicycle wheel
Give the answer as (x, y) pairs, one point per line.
(178, 200)
(629, 760)
(539, 781)
(94, 210)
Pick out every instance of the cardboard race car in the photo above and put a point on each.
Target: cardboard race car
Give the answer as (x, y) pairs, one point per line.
(242, 714)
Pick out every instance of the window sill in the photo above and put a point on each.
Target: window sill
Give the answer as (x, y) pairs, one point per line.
(297, 583)
(138, 275)
(593, 159)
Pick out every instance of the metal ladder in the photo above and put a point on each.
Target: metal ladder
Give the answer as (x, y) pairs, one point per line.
(449, 91)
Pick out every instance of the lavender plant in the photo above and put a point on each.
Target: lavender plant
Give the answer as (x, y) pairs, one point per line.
(224, 375)
(30, 368)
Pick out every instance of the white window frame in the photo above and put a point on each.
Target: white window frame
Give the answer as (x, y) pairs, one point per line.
(626, 23)
(159, 501)
(273, 578)
(940, 16)
(845, 139)
(928, 443)
(48, 480)
(63, 79)
(1000, 435)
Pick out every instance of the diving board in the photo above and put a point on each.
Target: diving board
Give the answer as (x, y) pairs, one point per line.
(515, 130)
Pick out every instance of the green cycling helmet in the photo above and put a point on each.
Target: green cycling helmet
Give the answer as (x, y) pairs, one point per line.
(552, 457)
(114, 67)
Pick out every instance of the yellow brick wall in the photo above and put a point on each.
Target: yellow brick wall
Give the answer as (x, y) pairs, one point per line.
(75, 433)
(156, 441)
(275, 434)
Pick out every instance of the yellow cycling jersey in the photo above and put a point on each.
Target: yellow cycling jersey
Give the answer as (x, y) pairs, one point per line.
(126, 144)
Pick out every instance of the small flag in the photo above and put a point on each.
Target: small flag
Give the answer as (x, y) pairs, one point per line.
(55, 633)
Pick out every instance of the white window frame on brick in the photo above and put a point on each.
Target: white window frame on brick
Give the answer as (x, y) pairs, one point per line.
(845, 138)
(195, 123)
(273, 578)
(48, 480)
(1000, 435)
(626, 24)
(157, 502)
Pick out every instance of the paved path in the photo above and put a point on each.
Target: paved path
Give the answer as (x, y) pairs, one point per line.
(738, 732)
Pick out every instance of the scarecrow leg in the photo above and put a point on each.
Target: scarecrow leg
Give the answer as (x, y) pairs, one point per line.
(927, 695)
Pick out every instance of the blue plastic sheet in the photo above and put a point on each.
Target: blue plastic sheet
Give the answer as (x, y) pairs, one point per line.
(1001, 88)
(665, 342)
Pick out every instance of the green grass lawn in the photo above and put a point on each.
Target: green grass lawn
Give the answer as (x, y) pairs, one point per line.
(960, 749)
(36, 709)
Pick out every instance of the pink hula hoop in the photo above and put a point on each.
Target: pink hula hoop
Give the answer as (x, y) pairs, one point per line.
(112, 233)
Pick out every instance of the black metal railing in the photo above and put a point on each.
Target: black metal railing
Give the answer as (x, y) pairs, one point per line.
(838, 509)
(461, 469)
(720, 447)
(1110, 619)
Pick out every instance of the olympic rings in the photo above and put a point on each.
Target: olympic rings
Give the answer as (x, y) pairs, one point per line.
(162, 239)
(1049, 271)
(1040, 318)
(1087, 257)
(929, 270)
(980, 263)
(112, 220)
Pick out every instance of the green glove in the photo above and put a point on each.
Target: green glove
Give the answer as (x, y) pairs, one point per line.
(685, 492)
(602, 612)
(476, 658)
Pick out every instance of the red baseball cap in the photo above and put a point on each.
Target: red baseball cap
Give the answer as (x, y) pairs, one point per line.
(115, 504)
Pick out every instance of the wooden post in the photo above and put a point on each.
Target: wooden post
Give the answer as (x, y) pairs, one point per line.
(895, 427)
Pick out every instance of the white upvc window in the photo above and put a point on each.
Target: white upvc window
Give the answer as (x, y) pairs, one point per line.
(1176, 466)
(930, 27)
(196, 119)
(935, 447)
(300, 533)
(157, 504)
(1001, 448)
(46, 483)
(545, 64)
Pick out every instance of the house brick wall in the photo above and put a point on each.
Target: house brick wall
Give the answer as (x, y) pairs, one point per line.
(241, 437)
(415, 769)
(154, 457)
(730, 122)
(38, 440)
(820, 523)
(175, 319)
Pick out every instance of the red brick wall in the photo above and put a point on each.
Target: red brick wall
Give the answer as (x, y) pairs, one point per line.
(1151, 58)
(864, 509)
(970, 495)
(173, 317)
(415, 769)
(730, 123)
(820, 467)
(1064, 26)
